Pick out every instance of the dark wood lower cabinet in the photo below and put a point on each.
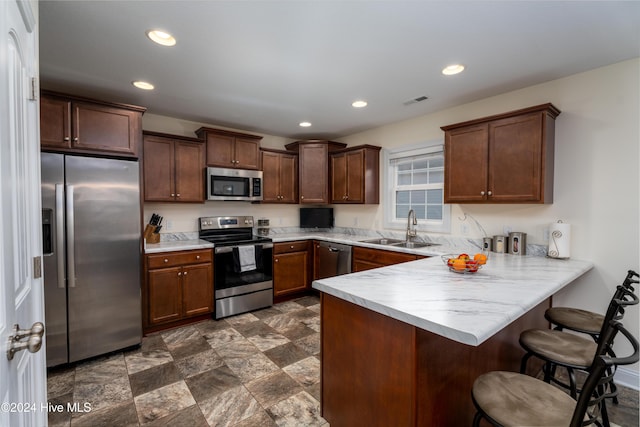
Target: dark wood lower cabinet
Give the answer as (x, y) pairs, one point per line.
(378, 371)
(291, 265)
(179, 288)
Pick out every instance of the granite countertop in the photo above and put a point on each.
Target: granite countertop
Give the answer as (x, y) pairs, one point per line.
(177, 245)
(467, 308)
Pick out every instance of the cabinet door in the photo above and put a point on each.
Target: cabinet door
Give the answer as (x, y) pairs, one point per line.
(55, 122)
(106, 129)
(290, 273)
(158, 170)
(466, 164)
(515, 153)
(189, 172)
(355, 176)
(220, 150)
(247, 152)
(288, 178)
(270, 177)
(338, 178)
(165, 295)
(313, 163)
(362, 265)
(197, 289)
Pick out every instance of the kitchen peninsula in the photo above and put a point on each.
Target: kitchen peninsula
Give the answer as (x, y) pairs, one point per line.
(402, 345)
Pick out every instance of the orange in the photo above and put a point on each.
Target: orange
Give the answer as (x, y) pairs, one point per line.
(481, 258)
(459, 264)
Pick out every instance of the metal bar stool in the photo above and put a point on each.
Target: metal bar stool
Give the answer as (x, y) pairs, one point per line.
(573, 352)
(586, 322)
(583, 321)
(513, 399)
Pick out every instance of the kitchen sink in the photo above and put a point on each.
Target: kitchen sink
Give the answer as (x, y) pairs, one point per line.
(399, 243)
(383, 241)
(413, 245)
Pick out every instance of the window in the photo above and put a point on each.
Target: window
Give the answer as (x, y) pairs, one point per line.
(415, 180)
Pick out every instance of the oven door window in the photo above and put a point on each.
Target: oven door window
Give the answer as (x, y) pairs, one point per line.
(230, 186)
(226, 276)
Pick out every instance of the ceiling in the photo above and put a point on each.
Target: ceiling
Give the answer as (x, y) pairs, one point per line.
(265, 66)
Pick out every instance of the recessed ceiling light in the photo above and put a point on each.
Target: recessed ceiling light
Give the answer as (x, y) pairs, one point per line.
(161, 37)
(359, 104)
(452, 69)
(142, 85)
(305, 124)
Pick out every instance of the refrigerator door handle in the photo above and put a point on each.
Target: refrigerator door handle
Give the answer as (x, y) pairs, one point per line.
(71, 247)
(59, 235)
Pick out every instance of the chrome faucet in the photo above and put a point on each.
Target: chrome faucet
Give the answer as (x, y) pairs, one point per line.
(411, 231)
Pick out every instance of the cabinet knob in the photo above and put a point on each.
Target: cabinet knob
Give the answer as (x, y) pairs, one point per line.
(197, 256)
(173, 195)
(291, 246)
(179, 273)
(166, 260)
(75, 139)
(66, 138)
(489, 193)
(301, 197)
(275, 260)
(482, 193)
(185, 273)
(178, 195)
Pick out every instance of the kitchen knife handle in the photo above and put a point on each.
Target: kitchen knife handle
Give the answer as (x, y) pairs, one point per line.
(60, 235)
(71, 246)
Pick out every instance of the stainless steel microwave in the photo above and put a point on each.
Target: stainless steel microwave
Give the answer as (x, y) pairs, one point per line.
(234, 184)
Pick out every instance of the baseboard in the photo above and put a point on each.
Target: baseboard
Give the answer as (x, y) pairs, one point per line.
(628, 378)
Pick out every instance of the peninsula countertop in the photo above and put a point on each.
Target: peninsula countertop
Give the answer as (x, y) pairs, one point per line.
(467, 308)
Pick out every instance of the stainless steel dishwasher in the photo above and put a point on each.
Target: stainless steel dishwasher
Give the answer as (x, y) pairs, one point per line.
(334, 259)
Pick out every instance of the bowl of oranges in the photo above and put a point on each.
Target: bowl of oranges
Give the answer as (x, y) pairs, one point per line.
(464, 263)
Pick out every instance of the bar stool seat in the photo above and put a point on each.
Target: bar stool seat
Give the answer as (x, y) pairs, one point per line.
(575, 319)
(559, 347)
(501, 395)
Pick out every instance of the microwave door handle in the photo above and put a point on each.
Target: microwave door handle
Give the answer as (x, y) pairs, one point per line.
(71, 259)
(59, 213)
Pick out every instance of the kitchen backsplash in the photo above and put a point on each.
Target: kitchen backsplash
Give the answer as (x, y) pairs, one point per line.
(449, 241)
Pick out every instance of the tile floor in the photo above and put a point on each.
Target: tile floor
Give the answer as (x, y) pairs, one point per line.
(257, 369)
(252, 370)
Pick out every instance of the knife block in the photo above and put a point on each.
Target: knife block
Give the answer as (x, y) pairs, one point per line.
(150, 235)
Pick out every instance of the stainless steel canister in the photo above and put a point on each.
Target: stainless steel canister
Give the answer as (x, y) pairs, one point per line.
(518, 243)
(487, 244)
(500, 244)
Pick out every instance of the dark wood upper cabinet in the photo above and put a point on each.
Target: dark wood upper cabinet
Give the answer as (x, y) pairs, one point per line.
(228, 149)
(507, 158)
(173, 168)
(355, 175)
(81, 125)
(280, 176)
(313, 169)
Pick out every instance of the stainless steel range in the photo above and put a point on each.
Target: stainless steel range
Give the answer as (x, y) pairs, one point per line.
(243, 274)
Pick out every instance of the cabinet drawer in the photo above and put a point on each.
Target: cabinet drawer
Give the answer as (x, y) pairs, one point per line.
(281, 248)
(170, 259)
(381, 256)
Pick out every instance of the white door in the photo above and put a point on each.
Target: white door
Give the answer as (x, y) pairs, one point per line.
(22, 379)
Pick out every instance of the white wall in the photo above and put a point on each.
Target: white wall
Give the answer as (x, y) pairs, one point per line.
(596, 188)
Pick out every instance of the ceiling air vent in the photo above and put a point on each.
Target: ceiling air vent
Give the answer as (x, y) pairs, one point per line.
(415, 100)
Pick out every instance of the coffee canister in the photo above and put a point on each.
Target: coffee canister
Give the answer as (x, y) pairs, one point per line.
(517, 243)
(500, 244)
(487, 244)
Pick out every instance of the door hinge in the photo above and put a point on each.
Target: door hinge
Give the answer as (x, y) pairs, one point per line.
(33, 96)
(37, 267)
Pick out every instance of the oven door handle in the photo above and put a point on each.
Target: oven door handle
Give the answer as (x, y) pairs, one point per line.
(226, 249)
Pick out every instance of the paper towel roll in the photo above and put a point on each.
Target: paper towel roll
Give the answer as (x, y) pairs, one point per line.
(559, 240)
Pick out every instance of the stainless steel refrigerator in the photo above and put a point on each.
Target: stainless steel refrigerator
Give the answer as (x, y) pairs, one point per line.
(92, 248)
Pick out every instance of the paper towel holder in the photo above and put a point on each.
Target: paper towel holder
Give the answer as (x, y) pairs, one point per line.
(553, 251)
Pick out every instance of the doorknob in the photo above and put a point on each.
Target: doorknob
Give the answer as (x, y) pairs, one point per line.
(33, 342)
